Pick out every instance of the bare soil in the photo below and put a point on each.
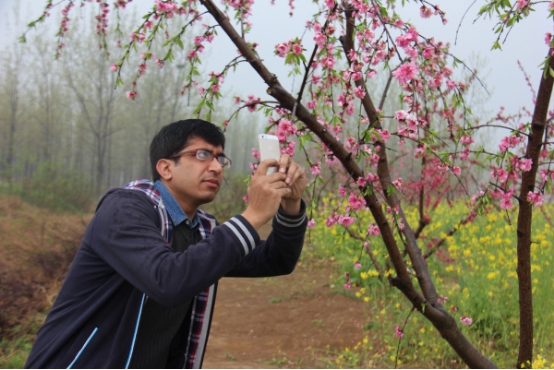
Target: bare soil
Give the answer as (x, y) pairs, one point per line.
(294, 321)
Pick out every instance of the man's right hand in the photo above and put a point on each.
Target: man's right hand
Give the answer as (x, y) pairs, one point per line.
(265, 193)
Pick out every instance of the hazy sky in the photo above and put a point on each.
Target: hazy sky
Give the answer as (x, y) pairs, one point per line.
(273, 25)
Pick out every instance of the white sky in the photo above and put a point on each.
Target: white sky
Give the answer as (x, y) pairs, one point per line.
(273, 25)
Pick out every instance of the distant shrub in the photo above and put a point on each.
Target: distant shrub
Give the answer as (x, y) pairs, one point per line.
(57, 189)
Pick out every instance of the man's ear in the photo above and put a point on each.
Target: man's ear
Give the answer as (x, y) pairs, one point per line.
(165, 168)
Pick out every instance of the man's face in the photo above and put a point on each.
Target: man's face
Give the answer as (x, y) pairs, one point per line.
(194, 182)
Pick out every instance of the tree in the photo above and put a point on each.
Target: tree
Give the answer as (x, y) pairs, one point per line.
(12, 81)
(351, 42)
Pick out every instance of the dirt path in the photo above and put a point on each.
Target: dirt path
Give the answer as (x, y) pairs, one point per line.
(293, 321)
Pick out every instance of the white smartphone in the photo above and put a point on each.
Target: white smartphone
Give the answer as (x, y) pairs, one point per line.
(269, 148)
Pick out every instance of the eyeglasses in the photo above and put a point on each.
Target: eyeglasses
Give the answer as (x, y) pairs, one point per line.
(206, 156)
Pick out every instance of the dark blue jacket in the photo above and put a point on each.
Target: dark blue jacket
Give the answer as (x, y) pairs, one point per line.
(124, 259)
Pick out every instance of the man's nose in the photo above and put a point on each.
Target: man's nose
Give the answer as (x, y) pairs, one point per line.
(215, 166)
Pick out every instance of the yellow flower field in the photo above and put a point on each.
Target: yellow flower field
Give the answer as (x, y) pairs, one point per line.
(474, 271)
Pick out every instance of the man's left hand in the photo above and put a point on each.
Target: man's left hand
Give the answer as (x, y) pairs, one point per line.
(296, 180)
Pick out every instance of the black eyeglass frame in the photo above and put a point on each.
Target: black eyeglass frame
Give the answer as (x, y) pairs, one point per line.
(224, 161)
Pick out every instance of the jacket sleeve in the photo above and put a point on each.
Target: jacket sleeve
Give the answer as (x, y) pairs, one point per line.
(125, 233)
(278, 254)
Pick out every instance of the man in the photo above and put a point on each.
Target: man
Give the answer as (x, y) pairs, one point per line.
(141, 289)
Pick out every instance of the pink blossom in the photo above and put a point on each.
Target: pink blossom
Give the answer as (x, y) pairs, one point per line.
(252, 103)
(113, 67)
(506, 201)
(373, 230)
(356, 203)
(159, 63)
(359, 92)
(451, 84)
(398, 332)
(544, 175)
(520, 4)
(525, 164)
(405, 73)
(289, 149)
(509, 142)
(357, 265)
(358, 75)
(320, 39)
(198, 40)
(330, 221)
(297, 49)
(406, 39)
(466, 140)
(311, 104)
(425, 12)
(547, 38)
(142, 69)
(311, 224)
(315, 170)
(342, 191)
(457, 170)
(441, 299)
(346, 220)
(398, 183)
(401, 115)
(371, 177)
(255, 153)
(535, 198)
(132, 94)
(429, 52)
(281, 50)
(500, 174)
(466, 320)
(385, 134)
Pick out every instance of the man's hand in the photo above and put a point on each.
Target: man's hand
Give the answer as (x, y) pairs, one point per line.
(296, 180)
(265, 193)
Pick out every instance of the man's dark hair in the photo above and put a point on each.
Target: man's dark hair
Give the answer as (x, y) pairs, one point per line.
(175, 136)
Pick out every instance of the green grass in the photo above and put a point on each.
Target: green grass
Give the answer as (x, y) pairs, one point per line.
(13, 354)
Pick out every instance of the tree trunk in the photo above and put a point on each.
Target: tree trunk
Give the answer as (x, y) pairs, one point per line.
(525, 216)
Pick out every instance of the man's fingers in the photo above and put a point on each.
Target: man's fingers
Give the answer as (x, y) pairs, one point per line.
(284, 192)
(294, 173)
(299, 174)
(264, 166)
(284, 163)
